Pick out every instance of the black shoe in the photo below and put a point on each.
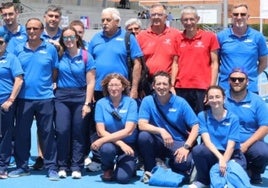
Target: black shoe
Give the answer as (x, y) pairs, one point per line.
(39, 164)
(256, 179)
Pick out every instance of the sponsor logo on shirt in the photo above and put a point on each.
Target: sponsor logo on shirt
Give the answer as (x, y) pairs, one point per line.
(247, 105)
(3, 61)
(248, 40)
(226, 123)
(172, 110)
(43, 52)
(167, 41)
(123, 111)
(199, 44)
(119, 39)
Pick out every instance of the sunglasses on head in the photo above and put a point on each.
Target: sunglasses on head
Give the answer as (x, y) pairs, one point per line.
(234, 79)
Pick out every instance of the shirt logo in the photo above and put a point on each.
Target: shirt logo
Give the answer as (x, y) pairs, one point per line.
(226, 123)
(123, 111)
(247, 105)
(3, 61)
(172, 110)
(248, 40)
(119, 39)
(43, 52)
(199, 44)
(167, 41)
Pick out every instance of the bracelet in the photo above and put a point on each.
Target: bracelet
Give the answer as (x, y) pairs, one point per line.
(88, 104)
(10, 99)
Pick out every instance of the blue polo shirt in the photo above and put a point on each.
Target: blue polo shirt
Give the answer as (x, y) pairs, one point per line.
(38, 67)
(128, 111)
(72, 70)
(110, 54)
(252, 112)
(220, 132)
(56, 37)
(177, 111)
(241, 52)
(15, 39)
(10, 68)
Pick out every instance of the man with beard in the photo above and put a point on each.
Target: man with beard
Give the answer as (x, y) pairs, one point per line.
(252, 112)
(240, 46)
(16, 32)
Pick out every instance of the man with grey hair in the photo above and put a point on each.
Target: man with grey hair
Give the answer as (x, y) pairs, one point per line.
(109, 51)
(159, 43)
(197, 67)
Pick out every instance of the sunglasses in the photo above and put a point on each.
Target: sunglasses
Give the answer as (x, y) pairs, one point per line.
(66, 38)
(1, 42)
(234, 79)
(241, 14)
(32, 28)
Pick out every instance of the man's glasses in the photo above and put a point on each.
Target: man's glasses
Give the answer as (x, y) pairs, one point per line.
(66, 38)
(234, 79)
(1, 42)
(32, 28)
(241, 14)
(106, 19)
(54, 15)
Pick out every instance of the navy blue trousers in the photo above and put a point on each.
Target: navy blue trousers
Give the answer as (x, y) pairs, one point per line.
(70, 128)
(6, 135)
(152, 146)
(125, 164)
(43, 111)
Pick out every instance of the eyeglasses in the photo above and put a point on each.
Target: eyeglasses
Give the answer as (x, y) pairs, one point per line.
(234, 79)
(114, 85)
(66, 38)
(1, 42)
(32, 28)
(157, 14)
(133, 29)
(241, 14)
(8, 14)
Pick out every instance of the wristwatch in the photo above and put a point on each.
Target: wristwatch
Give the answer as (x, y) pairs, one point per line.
(187, 146)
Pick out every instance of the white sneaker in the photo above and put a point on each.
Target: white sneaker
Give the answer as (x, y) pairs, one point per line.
(197, 184)
(76, 175)
(94, 166)
(62, 174)
(87, 161)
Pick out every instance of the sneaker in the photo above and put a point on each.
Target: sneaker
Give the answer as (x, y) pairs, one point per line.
(87, 161)
(12, 162)
(39, 164)
(53, 175)
(18, 173)
(3, 175)
(62, 174)
(76, 174)
(94, 167)
(197, 184)
(256, 179)
(146, 177)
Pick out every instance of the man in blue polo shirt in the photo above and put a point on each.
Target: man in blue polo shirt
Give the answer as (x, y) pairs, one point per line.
(252, 112)
(169, 127)
(16, 32)
(38, 59)
(240, 45)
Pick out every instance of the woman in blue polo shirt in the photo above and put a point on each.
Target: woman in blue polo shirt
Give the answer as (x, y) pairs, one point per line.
(116, 120)
(74, 95)
(219, 129)
(11, 74)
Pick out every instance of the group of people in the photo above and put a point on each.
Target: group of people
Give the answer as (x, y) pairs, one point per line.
(80, 95)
